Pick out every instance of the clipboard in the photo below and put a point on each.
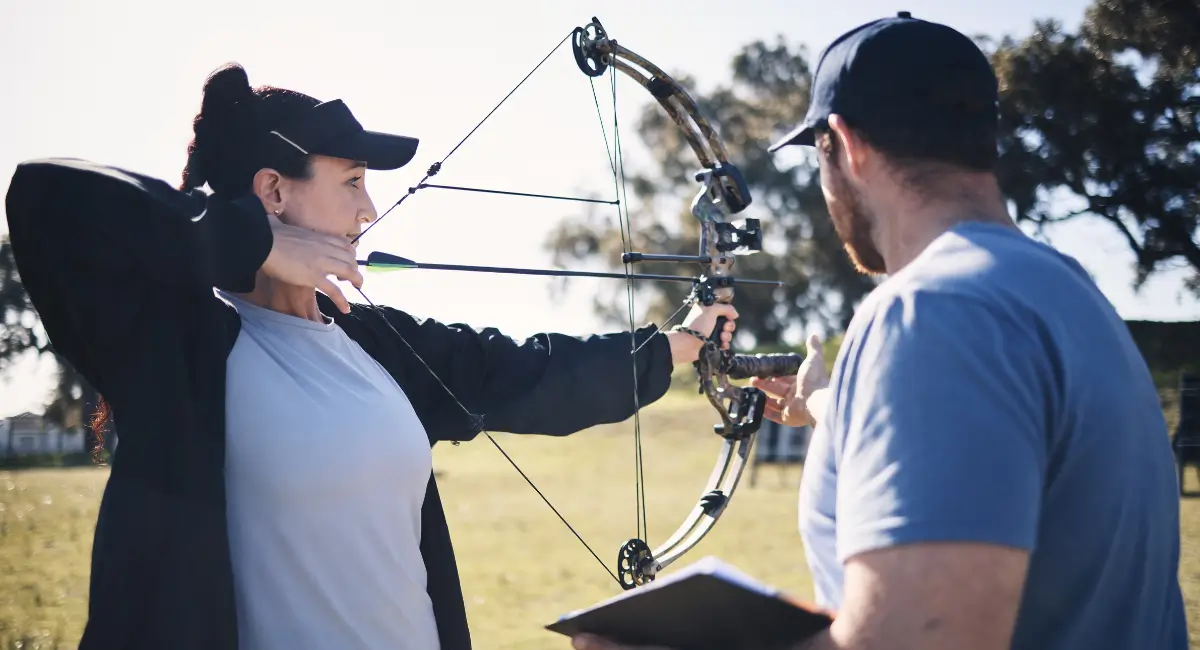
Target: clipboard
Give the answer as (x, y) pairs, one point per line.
(708, 605)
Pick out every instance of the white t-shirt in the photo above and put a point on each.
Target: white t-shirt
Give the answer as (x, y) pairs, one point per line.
(326, 471)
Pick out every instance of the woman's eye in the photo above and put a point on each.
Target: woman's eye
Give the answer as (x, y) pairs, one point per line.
(354, 181)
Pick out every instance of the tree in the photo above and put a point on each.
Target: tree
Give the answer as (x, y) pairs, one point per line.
(72, 398)
(768, 94)
(18, 321)
(1109, 119)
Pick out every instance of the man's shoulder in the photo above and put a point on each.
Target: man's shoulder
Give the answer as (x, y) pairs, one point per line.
(992, 261)
(993, 269)
(985, 292)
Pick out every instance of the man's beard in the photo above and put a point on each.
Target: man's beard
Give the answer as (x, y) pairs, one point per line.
(853, 224)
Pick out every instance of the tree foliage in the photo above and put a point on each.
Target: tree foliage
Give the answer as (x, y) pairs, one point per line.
(1108, 117)
(1104, 122)
(1107, 122)
(18, 321)
(768, 94)
(20, 333)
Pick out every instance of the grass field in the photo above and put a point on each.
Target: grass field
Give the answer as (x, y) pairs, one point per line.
(520, 566)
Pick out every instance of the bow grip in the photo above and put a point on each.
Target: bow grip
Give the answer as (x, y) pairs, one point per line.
(715, 337)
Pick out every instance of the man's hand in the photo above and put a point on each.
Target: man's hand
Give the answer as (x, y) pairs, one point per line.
(790, 396)
(685, 347)
(589, 642)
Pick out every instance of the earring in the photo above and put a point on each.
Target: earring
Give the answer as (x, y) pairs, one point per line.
(277, 211)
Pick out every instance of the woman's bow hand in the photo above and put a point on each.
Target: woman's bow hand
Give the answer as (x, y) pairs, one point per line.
(687, 342)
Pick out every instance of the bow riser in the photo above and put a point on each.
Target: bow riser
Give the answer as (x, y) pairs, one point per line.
(717, 289)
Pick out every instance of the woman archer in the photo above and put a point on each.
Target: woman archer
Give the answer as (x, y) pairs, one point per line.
(274, 484)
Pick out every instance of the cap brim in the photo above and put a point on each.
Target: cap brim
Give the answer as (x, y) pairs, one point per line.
(802, 134)
(381, 151)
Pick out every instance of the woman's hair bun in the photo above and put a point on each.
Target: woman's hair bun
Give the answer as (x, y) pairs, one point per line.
(231, 140)
(226, 90)
(223, 127)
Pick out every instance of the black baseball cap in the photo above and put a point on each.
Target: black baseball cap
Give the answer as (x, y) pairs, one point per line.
(330, 129)
(899, 70)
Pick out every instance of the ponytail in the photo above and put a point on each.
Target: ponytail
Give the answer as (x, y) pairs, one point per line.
(231, 140)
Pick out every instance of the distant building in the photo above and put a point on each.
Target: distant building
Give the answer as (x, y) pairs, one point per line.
(28, 434)
(1186, 441)
(779, 445)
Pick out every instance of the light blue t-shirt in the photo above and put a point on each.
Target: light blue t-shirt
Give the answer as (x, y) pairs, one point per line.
(988, 392)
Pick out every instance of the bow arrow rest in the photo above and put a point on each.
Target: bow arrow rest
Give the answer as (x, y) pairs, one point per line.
(723, 192)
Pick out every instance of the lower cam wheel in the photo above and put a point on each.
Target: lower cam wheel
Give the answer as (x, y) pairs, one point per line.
(632, 562)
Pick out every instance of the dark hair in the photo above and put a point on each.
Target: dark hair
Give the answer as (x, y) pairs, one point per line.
(969, 143)
(232, 139)
(231, 142)
(958, 132)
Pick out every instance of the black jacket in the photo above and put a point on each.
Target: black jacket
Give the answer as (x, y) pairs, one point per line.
(121, 268)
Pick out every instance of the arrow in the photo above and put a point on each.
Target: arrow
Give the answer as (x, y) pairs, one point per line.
(388, 262)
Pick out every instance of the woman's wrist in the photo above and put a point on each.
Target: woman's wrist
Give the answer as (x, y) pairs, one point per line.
(685, 347)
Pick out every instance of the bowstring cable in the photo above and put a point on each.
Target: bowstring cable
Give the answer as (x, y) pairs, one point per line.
(476, 420)
(626, 225)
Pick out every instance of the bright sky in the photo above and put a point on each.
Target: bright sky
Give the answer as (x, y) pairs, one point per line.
(119, 82)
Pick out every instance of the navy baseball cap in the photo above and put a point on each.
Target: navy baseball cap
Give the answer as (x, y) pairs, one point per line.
(899, 71)
(330, 129)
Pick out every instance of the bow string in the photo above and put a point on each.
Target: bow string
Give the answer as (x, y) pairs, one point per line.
(723, 193)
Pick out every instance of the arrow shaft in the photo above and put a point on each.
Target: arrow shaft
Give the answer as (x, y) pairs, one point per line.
(549, 272)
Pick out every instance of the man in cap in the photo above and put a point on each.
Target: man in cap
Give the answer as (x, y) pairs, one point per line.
(990, 467)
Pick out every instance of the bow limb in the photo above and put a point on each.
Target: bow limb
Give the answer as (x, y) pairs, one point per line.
(595, 51)
(678, 105)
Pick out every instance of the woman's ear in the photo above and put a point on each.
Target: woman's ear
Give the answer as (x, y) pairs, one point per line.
(266, 187)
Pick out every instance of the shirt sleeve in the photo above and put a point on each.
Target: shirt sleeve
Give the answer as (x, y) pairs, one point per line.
(943, 416)
(105, 253)
(546, 384)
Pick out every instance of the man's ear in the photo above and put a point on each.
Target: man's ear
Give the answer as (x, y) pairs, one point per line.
(854, 152)
(267, 187)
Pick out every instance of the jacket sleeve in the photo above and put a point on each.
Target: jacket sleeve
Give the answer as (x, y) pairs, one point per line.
(550, 384)
(99, 249)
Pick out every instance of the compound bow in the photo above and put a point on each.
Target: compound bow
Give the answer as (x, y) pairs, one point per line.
(723, 193)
